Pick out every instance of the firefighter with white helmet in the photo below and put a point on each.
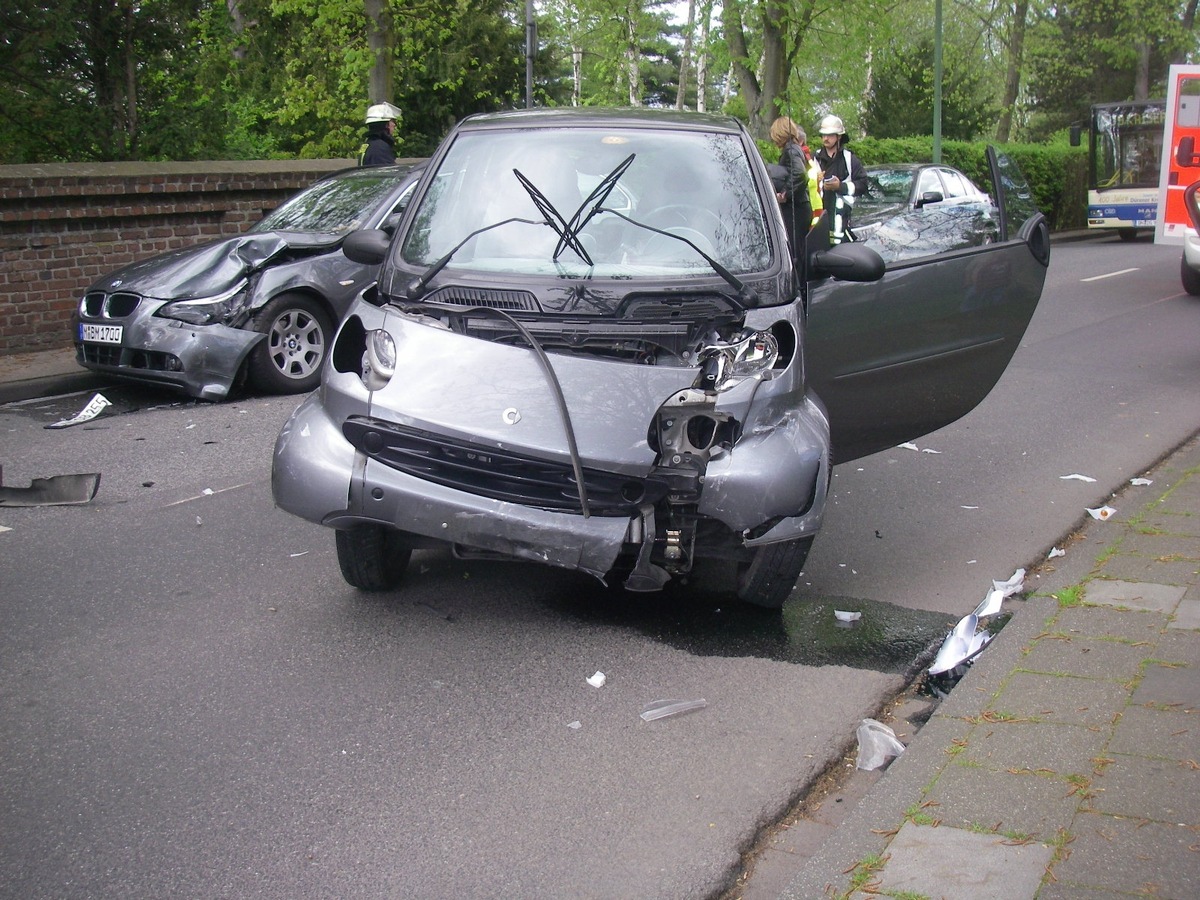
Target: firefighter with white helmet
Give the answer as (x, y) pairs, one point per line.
(845, 177)
(380, 148)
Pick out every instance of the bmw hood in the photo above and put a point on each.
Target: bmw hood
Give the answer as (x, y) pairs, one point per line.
(209, 269)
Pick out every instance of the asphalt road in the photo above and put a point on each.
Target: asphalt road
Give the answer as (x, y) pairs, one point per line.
(194, 704)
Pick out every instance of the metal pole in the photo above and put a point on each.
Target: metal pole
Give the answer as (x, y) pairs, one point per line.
(937, 82)
(530, 50)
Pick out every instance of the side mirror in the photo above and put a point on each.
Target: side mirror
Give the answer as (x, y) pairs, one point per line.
(1076, 135)
(930, 197)
(367, 247)
(848, 262)
(1185, 155)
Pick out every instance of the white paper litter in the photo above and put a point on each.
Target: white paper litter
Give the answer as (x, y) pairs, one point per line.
(876, 742)
(94, 407)
(1013, 585)
(1054, 551)
(907, 445)
(597, 680)
(930, 450)
(1077, 477)
(843, 616)
(1140, 482)
(575, 726)
(1101, 513)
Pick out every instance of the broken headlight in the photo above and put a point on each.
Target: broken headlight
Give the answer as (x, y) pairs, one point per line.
(722, 361)
(379, 359)
(208, 310)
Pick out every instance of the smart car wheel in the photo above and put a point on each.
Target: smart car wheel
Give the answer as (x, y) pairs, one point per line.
(769, 577)
(1190, 278)
(298, 331)
(373, 558)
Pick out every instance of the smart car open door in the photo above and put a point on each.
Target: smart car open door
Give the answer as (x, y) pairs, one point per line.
(919, 348)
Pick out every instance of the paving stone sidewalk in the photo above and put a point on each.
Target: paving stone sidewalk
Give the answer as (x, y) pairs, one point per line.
(1066, 762)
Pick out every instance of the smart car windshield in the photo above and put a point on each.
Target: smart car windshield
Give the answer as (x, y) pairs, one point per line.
(682, 197)
(332, 206)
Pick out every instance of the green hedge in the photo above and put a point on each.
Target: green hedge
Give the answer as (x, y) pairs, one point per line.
(1057, 173)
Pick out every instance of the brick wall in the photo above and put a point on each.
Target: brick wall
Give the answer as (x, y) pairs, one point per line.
(63, 226)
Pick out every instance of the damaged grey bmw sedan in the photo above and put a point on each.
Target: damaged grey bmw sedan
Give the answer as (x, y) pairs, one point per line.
(590, 347)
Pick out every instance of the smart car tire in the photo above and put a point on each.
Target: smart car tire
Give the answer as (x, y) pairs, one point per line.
(298, 330)
(373, 558)
(1190, 278)
(769, 578)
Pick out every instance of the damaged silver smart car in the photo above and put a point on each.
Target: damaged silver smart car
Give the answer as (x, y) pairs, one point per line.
(589, 347)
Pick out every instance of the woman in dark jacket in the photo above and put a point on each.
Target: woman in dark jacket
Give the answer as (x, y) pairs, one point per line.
(792, 194)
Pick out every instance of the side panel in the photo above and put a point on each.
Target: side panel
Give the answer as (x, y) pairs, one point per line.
(1183, 120)
(898, 358)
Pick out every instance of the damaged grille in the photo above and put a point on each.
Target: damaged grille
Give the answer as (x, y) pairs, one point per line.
(118, 305)
(497, 474)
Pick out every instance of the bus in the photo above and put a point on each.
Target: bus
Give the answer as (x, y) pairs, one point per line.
(1124, 152)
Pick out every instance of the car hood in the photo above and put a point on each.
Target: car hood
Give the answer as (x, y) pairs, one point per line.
(209, 269)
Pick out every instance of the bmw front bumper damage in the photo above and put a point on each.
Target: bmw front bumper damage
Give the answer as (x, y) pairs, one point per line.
(460, 445)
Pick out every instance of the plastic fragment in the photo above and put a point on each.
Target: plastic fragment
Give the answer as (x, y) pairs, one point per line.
(1102, 513)
(1054, 551)
(597, 680)
(843, 616)
(660, 709)
(907, 445)
(876, 742)
(1077, 477)
(94, 407)
(1013, 585)
(1140, 482)
(575, 726)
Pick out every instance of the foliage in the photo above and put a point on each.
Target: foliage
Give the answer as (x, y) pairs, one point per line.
(901, 101)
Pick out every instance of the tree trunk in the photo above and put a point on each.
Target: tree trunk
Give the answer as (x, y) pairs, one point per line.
(1141, 74)
(702, 59)
(632, 55)
(1012, 79)
(576, 75)
(379, 42)
(686, 58)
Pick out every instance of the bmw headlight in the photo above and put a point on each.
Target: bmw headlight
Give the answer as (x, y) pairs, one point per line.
(208, 310)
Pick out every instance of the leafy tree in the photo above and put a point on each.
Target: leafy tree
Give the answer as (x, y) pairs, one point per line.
(901, 100)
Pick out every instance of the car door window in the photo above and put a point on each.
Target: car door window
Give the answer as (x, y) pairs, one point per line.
(929, 182)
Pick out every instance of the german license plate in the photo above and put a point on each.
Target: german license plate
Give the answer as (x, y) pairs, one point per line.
(99, 334)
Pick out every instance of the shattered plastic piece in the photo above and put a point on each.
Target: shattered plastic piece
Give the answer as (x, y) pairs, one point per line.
(843, 616)
(597, 680)
(930, 450)
(207, 492)
(660, 709)
(575, 726)
(58, 490)
(965, 640)
(1101, 513)
(876, 742)
(1076, 477)
(94, 407)
(1140, 482)
(1054, 551)
(907, 445)
(300, 553)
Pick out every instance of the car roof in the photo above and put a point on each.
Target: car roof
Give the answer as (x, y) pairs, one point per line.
(590, 116)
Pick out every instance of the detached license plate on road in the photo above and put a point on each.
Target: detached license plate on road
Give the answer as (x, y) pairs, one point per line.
(99, 334)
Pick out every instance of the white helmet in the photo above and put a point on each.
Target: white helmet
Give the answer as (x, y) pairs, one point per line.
(382, 112)
(831, 125)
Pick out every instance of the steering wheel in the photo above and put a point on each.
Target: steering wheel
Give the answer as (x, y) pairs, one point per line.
(687, 215)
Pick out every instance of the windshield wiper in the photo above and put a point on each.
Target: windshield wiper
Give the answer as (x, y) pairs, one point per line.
(745, 295)
(416, 287)
(567, 237)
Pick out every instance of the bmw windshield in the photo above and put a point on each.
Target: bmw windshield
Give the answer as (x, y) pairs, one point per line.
(591, 203)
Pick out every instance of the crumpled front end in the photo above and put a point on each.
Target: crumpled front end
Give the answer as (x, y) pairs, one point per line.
(200, 360)
(573, 460)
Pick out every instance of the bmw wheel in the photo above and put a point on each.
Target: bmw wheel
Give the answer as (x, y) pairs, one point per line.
(298, 331)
